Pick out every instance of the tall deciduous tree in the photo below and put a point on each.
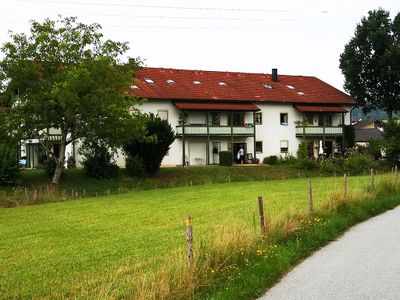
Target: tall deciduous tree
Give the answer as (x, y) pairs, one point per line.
(371, 63)
(68, 78)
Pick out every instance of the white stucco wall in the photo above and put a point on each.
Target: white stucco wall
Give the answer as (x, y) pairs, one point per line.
(270, 132)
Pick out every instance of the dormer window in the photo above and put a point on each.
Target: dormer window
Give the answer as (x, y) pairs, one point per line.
(170, 81)
(290, 87)
(196, 82)
(267, 86)
(221, 83)
(134, 87)
(149, 81)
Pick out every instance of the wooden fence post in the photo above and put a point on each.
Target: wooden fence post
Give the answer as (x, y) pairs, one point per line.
(372, 185)
(262, 218)
(189, 239)
(345, 185)
(310, 198)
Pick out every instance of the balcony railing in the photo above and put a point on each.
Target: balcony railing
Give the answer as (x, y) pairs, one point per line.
(319, 131)
(215, 130)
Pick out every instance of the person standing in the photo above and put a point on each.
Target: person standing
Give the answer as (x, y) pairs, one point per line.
(240, 155)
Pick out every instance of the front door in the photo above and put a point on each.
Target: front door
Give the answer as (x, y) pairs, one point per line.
(197, 153)
(216, 148)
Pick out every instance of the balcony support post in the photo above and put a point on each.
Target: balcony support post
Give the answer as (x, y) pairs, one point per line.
(208, 140)
(254, 135)
(183, 139)
(233, 155)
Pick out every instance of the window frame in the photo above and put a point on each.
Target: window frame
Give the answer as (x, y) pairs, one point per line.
(262, 146)
(164, 111)
(287, 118)
(256, 121)
(280, 146)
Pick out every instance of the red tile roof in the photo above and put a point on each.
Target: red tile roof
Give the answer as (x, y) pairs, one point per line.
(239, 87)
(216, 106)
(333, 109)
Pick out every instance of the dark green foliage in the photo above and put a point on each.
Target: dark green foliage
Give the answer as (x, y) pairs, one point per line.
(225, 158)
(98, 162)
(135, 166)
(370, 63)
(306, 164)
(270, 160)
(302, 151)
(332, 165)
(374, 149)
(358, 163)
(71, 78)
(392, 142)
(9, 164)
(155, 146)
(348, 136)
(49, 167)
(287, 159)
(71, 162)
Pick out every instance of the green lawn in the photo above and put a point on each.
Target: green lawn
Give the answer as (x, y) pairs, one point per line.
(97, 247)
(36, 188)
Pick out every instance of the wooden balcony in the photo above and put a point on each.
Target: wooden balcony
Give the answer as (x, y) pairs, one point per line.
(319, 131)
(191, 130)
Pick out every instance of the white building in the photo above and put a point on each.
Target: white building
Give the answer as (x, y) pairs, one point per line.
(269, 114)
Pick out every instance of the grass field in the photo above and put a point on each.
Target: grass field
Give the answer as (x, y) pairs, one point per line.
(114, 246)
(35, 187)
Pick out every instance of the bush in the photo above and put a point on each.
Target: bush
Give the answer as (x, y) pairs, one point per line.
(98, 162)
(71, 162)
(357, 163)
(225, 158)
(270, 160)
(153, 149)
(135, 166)
(331, 166)
(302, 151)
(287, 159)
(306, 164)
(49, 167)
(9, 164)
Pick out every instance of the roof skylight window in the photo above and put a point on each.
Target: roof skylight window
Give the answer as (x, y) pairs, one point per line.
(196, 82)
(221, 83)
(149, 81)
(290, 87)
(267, 86)
(134, 87)
(170, 81)
(300, 93)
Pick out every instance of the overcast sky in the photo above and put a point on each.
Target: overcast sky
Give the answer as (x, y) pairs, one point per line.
(297, 37)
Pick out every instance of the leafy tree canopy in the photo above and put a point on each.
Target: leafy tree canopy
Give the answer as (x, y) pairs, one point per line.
(64, 75)
(371, 63)
(152, 149)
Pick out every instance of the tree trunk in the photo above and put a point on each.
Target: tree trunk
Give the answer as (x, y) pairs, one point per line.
(390, 116)
(59, 164)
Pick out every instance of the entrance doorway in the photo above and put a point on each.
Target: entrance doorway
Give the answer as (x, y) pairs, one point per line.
(328, 149)
(236, 147)
(216, 149)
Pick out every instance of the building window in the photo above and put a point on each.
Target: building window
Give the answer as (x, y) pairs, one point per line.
(284, 119)
(236, 119)
(309, 118)
(259, 147)
(162, 114)
(328, 120)
(284, 146)
(215, 118)
(258, 118)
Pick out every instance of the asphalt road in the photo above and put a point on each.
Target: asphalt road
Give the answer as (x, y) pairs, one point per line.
(363, 264)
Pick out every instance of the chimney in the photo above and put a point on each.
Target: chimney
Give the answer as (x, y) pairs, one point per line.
(274, 75)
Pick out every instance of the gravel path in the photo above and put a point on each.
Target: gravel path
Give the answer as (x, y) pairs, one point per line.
(363, 264)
